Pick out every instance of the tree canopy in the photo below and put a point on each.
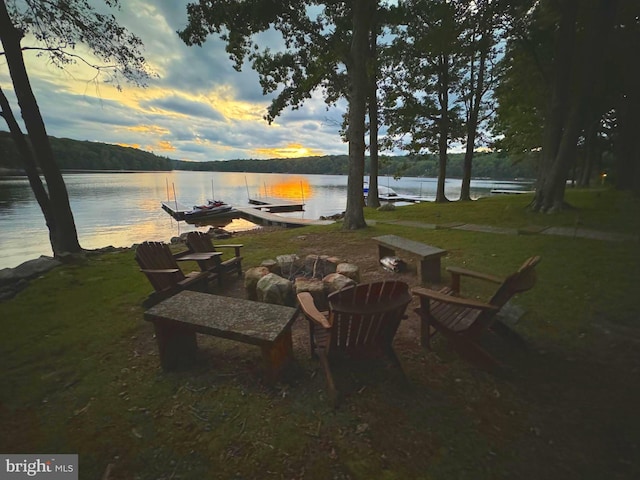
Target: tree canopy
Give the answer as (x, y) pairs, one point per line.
(57, 29)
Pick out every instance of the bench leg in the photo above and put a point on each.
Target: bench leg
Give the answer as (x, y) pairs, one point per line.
(385, 252)
(429, 270)
(177, 346)
(278, 355)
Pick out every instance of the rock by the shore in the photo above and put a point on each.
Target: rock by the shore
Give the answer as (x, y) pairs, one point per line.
(13, 280)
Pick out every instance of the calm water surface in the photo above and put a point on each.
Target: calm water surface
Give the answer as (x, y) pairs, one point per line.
(121, 209)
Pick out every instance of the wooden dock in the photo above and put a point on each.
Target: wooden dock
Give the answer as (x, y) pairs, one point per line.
(273, 205)
(175, 209)
(253, 213)
(260, 217)
(498, 191)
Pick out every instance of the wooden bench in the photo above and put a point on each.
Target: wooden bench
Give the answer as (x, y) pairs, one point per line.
(176, 321)
(426, 257)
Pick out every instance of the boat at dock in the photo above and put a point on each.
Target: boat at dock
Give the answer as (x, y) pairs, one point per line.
(259, 213)
(212, 210)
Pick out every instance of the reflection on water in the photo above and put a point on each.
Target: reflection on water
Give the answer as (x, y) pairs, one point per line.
(294, 188)
(123, 209)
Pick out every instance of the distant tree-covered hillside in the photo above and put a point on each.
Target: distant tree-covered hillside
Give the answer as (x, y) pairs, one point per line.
(82, 155)
(487, 165)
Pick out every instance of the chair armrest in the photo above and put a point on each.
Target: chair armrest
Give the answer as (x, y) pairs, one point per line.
(178, 255)
(163, 270)
(310, 310)
(470, 273)
(451, 300)
(457, 272)
(236, 247)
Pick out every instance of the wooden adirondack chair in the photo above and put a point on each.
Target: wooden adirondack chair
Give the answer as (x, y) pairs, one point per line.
(158, 264)
(361, 323)
(201, 242)
(464, 320)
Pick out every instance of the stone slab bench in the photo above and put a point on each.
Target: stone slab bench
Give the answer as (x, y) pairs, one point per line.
(426, 257)
(177, 319)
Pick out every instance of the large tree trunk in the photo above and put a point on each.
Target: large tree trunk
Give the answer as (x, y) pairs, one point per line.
(591, 153)
(627, 147)
(26, 155)
(358, 85)
(564, 47)
(578, 81)
(62, 229)
(443, 127)
(372, 198)
(476, 91)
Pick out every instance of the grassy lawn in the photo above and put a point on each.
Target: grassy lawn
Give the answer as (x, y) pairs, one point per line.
(80, 371)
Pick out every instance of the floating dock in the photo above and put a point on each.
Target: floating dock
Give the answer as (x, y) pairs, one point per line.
(497, 191)
(276, 204)
(401, 197)
(260, 217)
(258, 214)
(175, 209)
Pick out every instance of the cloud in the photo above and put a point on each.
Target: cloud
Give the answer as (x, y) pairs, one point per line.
(198, 108)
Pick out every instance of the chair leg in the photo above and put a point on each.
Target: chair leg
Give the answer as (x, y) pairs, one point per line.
(312, 339)
(331, 386)
(426, 330)
(391, 353)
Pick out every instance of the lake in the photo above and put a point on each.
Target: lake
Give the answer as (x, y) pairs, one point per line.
(121, 209)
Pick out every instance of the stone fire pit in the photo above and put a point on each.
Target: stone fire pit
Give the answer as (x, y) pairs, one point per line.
(279, 281)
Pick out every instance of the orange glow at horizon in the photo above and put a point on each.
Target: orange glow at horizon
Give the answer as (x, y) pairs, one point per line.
(297, 188)
(292, 150)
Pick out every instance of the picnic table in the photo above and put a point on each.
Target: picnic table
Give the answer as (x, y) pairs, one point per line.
(179, 318)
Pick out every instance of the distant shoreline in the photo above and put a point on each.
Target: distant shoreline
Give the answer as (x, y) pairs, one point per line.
(11, 172)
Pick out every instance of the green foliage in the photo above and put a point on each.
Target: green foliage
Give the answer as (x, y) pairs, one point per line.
(83, 155)
(524, 87)
(422, 69)
(487, 165)
(58, 27)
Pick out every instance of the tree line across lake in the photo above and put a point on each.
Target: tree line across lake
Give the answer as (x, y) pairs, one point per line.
(84, 155)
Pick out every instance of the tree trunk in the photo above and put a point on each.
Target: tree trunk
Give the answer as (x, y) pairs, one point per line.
(564, 47)
(578, 83)
(443, 127)
(591, 153)
(472, 121)
(26, 155)
(358, 85)
(372, 198)
(556, 183)
(627, 148)
(62, 229)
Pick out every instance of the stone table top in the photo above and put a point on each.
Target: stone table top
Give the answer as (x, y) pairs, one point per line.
(411, 246)
(227, 317)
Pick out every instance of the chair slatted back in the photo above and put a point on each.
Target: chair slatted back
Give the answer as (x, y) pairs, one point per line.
(521, 281)
(199, 242)
(158, 256)
(365, 317)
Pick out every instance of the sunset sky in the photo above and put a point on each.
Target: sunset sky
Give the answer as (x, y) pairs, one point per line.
(198, 108)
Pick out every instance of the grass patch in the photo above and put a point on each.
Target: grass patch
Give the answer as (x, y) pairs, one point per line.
(80, 371)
